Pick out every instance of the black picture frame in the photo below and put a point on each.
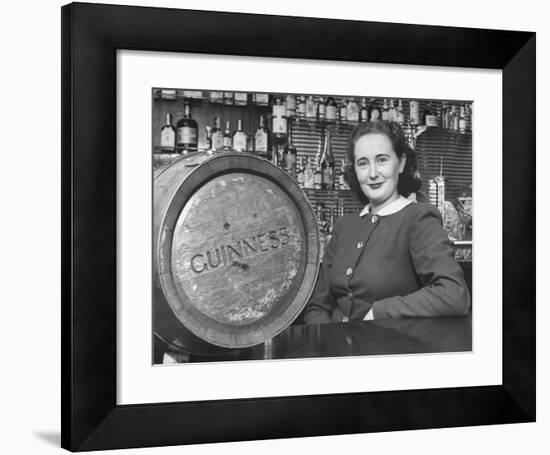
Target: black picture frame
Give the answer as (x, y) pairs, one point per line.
(91, 35)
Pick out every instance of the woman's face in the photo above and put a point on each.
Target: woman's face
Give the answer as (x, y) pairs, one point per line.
(377, 167)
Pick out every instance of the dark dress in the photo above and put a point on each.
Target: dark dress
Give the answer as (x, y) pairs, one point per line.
(399, 265)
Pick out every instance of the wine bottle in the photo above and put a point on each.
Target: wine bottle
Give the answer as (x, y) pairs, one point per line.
(187, 131)
(289, 155)
(262, 143)
(217, 135)
(239, 138)
(327, 163)
(374, 111)
(364, 117)
(227, 139)
(331, 111)
(168, 133)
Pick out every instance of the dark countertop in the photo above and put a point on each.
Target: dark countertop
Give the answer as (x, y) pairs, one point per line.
(383, 337)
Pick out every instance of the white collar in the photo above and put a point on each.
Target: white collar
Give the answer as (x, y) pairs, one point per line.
(391, 208)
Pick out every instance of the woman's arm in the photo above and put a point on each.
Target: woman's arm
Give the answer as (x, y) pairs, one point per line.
(444, 291)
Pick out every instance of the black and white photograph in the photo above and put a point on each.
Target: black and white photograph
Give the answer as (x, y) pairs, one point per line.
(309, 225)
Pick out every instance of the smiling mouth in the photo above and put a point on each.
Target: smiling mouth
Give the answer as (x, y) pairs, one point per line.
(374, 186)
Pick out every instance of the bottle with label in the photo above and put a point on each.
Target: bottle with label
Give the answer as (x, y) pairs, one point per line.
(301, 107)
(322, 108)
(279, 119)
(331, 110)
(444, 115)
(341, 181)
(430, 116)
(462, 120)
(241, 98)
(217, 135)
(289, 155)
(239, 138)
(187, 131)
(353, 110)
(374, 111)
(311, 107)
(344, 110)
(385, 110)
(456, 119)
(308, 175)
(414, 112)
(364, 115)
(393, 112)
(262, 143)
(300, 172)
(168, 133)
(227, 139)
(400, 116)
(317, 171)
(290, 104)
(216, 97)
(327, 163)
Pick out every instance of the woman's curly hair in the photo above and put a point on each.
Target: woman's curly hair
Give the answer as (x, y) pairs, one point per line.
(409, 180)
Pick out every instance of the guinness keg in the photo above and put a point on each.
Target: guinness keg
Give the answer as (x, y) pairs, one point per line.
(235, 251)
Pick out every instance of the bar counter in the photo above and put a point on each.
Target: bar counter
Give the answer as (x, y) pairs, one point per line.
(383, 337)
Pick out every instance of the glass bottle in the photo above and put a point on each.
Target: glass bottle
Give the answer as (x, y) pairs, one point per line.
(364, 117)
(168, 133)
(187, 130)
(217, 135)
(374, 111)
(262, 143)
(227, 139)
(322, 109)
(239, 138)
(414, 112)
(279, 119)
(331, 110)
(289, 155)
(344, 110)
(311, 111)
(327, 163)
(353, 110)
(385, 110)
(301, 107)
(400, 117)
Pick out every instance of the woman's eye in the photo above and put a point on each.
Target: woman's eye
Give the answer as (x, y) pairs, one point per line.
(383, 160)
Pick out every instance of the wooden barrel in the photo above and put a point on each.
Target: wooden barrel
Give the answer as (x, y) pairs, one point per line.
(235, 251)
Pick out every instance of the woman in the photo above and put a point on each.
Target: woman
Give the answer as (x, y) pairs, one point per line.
(393, 259)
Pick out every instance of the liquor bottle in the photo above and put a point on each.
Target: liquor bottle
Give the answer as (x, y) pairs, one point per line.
(187, 130)
(400, 116)
(429, 118)
(374, 111)
(209, 149)
(344, 110)
(277, 148)
(262, 143)
(385, 110)
(168, 133)
(301, 107)
(322, 109)
(279, 120)
(456, 119)
(317, 171)
(353, 111)
(241, 99)
(327, 163)
(228, 98)
(300, 172)
(239, 138)
(216, 135)
(250, 143)
(364, 111)
(308, 175)
(227, 140)
(289, 155)
(341, 181)
(444, 117)
(261, 99)
(290, 104)
(392, 112)
(311, 111)
(331, 110)
(216, 97)
(414, 112)
(462, 120)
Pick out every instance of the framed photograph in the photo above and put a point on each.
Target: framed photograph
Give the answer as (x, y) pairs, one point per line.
(226, 196)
